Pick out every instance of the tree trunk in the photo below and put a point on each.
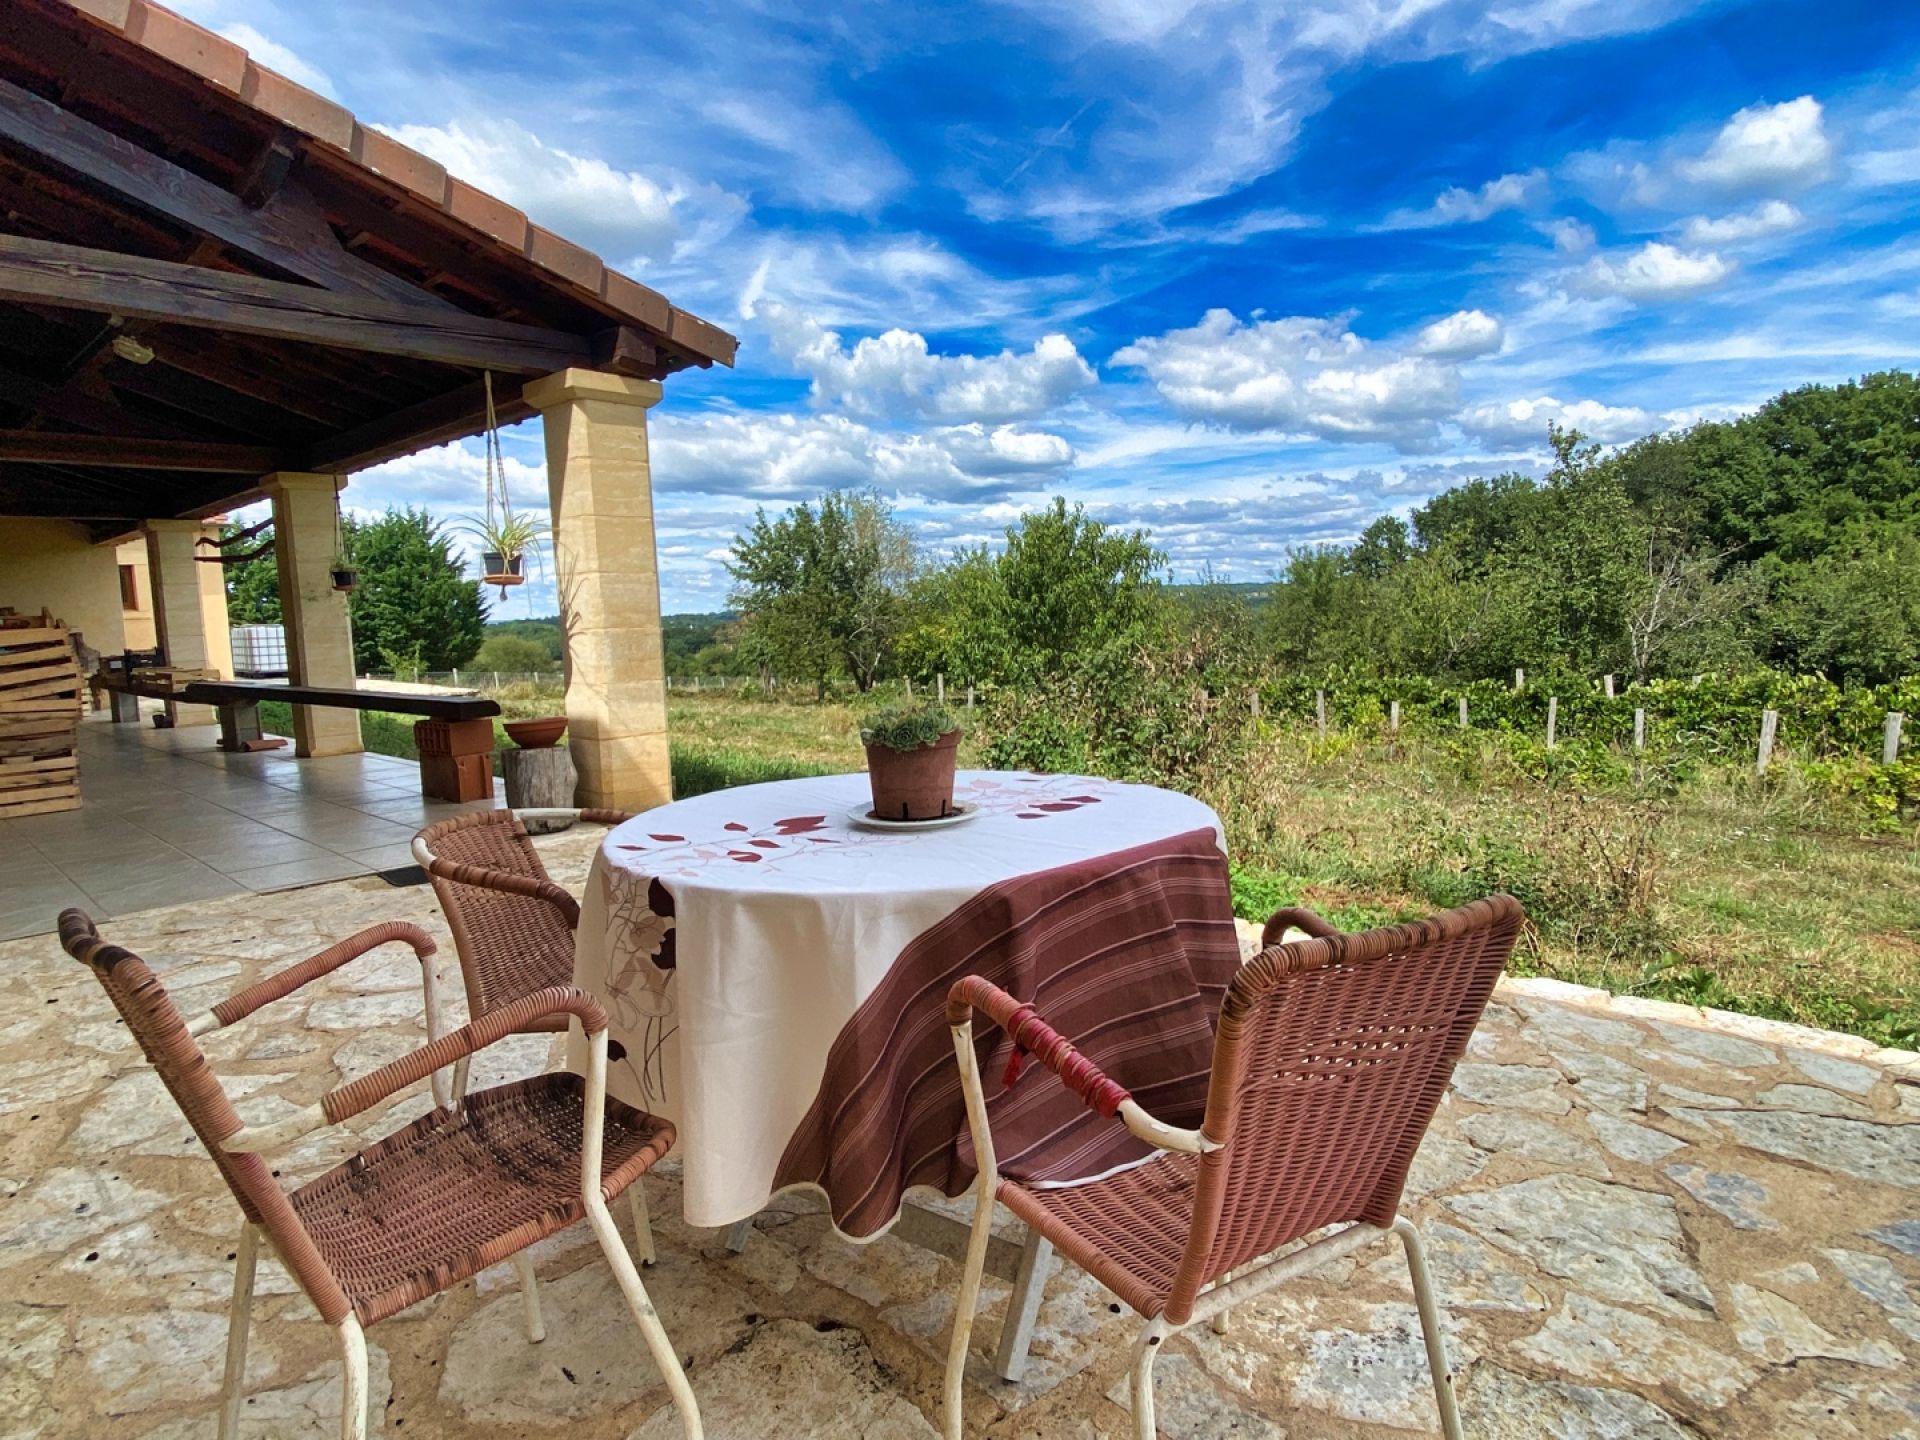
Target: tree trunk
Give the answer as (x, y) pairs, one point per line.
(539, 779)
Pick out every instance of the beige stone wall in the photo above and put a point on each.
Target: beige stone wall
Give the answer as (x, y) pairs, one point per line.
(319, 635)
(137, 623)
(51, 564)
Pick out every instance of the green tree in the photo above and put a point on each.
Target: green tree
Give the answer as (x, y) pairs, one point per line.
(253, 586)
(513, 655)
(413, 596)
(821, 591)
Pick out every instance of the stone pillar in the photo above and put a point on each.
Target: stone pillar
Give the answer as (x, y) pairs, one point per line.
(189, 625)
(609, 583)
(319, 635)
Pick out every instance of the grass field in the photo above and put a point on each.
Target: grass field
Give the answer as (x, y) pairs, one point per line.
(1717, 888)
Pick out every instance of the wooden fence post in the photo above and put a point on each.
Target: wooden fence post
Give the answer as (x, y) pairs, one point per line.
(1769, 727)
(1254, 704)
(1890, 738)
(1639, 731)
(940, 687)
(1608, 681)
(969, 697)
(1519, 679)
(1463, 712)
(1393, 718)
(1553, 718)
(909, 687)
(1320, 711)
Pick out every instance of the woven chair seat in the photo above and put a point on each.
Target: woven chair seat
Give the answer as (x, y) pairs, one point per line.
(448, 1196)
(1128, 1231)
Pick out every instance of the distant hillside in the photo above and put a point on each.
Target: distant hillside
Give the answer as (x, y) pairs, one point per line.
(685, 636)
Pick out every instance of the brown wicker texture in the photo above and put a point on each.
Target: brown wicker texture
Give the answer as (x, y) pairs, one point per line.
(435, 1202)
(446, 1197)
(512, 926)
(1330, 1058)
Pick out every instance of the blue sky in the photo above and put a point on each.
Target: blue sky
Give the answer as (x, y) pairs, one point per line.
(1246, 274)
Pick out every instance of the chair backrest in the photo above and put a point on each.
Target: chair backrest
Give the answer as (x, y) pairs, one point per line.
(509, 945)
(157, 1025)
(1330, 1058)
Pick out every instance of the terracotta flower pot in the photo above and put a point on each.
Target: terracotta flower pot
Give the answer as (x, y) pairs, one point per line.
(913, 784)
(536, 734)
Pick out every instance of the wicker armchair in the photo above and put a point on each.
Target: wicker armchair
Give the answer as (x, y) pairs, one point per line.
(437, 1201)
(1331, 1055)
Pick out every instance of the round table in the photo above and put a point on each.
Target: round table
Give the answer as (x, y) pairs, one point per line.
(776, 978)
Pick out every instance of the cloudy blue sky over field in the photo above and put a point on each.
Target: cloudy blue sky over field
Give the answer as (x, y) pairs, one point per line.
(1247, 274)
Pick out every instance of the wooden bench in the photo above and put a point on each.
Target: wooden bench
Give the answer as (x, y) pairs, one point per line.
(455, 735)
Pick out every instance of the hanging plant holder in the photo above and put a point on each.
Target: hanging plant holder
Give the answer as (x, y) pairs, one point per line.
(501, 571)
(505, 538)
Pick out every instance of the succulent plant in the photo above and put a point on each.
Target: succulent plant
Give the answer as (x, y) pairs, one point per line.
(909, 725)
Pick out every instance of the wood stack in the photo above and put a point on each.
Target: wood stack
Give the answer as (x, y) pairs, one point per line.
(41, 694)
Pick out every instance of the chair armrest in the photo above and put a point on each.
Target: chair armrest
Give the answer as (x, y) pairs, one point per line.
(343, 1102)
(507, 883)
(1294, 917)
(1033, 1035)
(348, 1100)
(243, 1003)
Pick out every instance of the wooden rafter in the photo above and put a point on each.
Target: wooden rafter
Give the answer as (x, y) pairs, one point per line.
(121, 452)
(281, 231)
(40, 272)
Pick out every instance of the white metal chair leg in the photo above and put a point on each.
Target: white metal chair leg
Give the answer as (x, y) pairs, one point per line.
(1223, 1322)
(1430, 1327)
(1145, 1351)
(953, 1404)
(353, 1397)
(530, 1297)
(233, 1385)
(635, 1293)
(642, 1226)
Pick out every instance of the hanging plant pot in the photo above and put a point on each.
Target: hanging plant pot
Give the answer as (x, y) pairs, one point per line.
(498, 569)
(345, 577)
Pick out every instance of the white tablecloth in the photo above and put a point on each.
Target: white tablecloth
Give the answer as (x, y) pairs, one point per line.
(734, 936)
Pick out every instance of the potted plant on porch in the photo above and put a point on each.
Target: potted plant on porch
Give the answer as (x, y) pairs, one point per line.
(911, 749)
(506, 539)
(345, 574)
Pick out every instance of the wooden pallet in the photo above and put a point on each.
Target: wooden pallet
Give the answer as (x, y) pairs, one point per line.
(41, 699)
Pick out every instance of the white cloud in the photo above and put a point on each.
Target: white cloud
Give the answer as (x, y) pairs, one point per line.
(1655, 272)
(895, 374)
(795, 457)
(1457, 205)
(623, 214)
(1767, 147)
(1460, 336)
(1299, 376)
(1571, 237)
(1774, 217)
(275, 56)
(1524, 422)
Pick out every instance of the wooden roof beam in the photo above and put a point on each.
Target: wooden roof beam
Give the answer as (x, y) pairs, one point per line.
(121, 452)
(283, 232)
(68, 276)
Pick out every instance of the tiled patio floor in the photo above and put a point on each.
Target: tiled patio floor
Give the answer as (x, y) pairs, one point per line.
(168, 819)
(1641, 1229)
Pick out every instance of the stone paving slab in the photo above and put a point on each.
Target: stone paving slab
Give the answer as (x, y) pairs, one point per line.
(1645, 1223)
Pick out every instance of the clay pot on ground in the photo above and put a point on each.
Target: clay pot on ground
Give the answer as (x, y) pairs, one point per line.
(913, 784)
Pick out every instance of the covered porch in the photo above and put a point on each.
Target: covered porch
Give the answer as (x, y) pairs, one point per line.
(217, 288)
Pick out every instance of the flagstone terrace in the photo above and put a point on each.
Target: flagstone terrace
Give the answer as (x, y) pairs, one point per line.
(1645, 1222)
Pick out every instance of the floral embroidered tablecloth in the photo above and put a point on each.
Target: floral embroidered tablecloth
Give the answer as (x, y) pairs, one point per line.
(776, 979)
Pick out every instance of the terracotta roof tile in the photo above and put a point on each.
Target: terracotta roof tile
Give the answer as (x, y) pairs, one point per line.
(273, 94)
(649, 307)
(402, 164)
(563, 257)
(175, 38)
(221, 62)
(492, 217)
